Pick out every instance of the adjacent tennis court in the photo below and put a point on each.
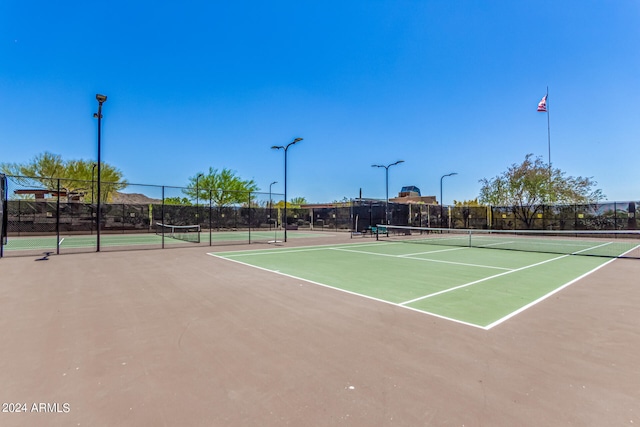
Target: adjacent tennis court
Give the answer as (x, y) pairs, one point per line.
(33, 244)
(480, 287)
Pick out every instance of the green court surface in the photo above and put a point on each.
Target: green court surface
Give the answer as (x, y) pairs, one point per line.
(475, 286)
(48, 242)
(145, 239)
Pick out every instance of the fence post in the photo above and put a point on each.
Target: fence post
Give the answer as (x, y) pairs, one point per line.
(98, 211)
(490, 219)
(58, 220)
(351, 217)
(210, 216)
(4, 208)
(162, 220)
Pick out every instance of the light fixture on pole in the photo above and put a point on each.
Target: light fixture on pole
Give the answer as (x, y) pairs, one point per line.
(274, 182)
(101, 99)
(285, 148)
(441, 201)
(386, 206)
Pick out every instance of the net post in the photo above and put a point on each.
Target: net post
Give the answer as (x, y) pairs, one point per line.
(249, 216)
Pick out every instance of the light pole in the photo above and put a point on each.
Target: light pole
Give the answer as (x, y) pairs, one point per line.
(285, 148)
(274, 182)
(386, 206)
(101, 99)
(441, 201)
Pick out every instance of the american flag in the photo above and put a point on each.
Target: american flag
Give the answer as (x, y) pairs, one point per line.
(542, 105)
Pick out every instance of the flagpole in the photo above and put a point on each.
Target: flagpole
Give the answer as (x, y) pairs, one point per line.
(543, 107)
(549, 143)
(548, 134)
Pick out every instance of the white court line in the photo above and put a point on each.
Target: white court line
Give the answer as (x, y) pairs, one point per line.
(295, 250)
(549, 244)
(431, 252)
(531, 304)
(482, 280)
(631, 250)
(509, 272)
(423, 259)
(495, 244)
(348, 292)
(592, 247)
(403, 304)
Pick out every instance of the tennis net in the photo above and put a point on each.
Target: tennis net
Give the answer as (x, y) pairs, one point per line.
(613, 244)
(188, 233)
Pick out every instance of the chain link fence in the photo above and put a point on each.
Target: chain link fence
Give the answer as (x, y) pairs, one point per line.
(60, 215)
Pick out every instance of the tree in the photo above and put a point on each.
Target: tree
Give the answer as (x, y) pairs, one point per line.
(224, 187)
(82, 178)
(77, 177)
(344, 202)
(178, 201)
(470, 203)
(293, 204)
(280, 205)
(465, 209)
(297, 201)
(46, 167)
(528, 186)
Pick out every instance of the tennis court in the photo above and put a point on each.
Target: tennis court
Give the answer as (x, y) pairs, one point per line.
(476, 286)
(320, 331)
(28, 245)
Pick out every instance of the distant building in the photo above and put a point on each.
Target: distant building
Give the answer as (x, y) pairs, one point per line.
(409, 191)
(411, 194)
(44, 195)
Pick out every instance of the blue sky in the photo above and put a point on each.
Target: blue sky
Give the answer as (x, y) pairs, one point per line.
(446, 86)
